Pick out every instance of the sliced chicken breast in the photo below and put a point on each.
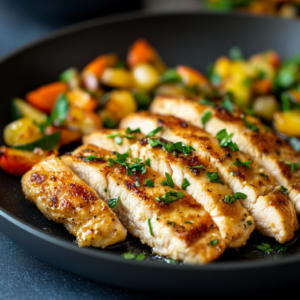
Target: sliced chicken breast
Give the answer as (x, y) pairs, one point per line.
(251, 136)
(234, 222)
(165, 218)
(64, 198)
(119, 140)
(251, 180)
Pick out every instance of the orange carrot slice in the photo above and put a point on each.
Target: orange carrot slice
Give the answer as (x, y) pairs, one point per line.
(44, 98)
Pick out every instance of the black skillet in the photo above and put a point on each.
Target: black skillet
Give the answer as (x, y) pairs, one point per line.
(192, 38)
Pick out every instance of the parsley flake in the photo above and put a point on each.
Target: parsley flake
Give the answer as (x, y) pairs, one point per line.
(250, 125)
(206, 117)
(128, 255)
(196, 167)
(188, 222)
(94, 157)
(243, 164)
(285, 190)
(185, 184)
(148, 162)
(264, 175)
(225, 140)
(150, 227)
(169, 180)
(170, 196)
(140, 257)
(213, 242)
(231, 199)
(249, 223)
(149, 183)
(113, 202)
(110, 136)
(294, 166)
(105, 190)
(128, 130)
(172, 261)
(155, 131)
(214, 177)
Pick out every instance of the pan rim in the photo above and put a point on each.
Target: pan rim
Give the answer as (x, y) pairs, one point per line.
(23, 225)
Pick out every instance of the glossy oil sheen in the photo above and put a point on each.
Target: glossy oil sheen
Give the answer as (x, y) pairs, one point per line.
(194, 39)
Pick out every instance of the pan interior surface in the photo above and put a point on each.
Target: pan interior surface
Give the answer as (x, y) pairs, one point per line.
(194, 39)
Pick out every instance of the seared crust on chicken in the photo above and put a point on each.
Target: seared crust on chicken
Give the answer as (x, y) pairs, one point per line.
(234, 222)
(180, 228)
(262, 144)
(255, 182)
(64, 198)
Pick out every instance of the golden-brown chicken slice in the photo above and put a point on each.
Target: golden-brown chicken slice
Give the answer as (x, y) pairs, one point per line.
(119, 140)
(165, 218)
(64, 198)
(251, 136)
(251, 180)
(234, 222)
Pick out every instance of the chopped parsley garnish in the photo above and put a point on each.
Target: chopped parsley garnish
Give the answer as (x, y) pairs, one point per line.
(266, 247)
(118, 140)
(213, 242)
(170, 196)
(121, 159)
(113, 202)
(185, 184)
(171, 223)
(227, 104)
(232, 173)
(128, 255)
(225, 140)
(105, 190)
(230, 199)
(188, 222)
(150, 227)
(169, 180)
(243, 164)
(137, 183)
(196, 167)
(207, 102)
(170, 147)
(155, 131)
(214, 177)
(280, 248)
(149, 183)
(294, 166)
(128, 130)
(148, 162)
(110, 136)
(249, 223)
(94, 157)
(251, 126)
(205, 117)
(263, 175)
(285, 190)
(172, 261)
(131, 136)
(140, 256)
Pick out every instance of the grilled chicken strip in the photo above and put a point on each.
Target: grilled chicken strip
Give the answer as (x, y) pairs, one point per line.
(260, 187)
(64, 198)
(234, 222)
(252, 137)
(165, 218)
